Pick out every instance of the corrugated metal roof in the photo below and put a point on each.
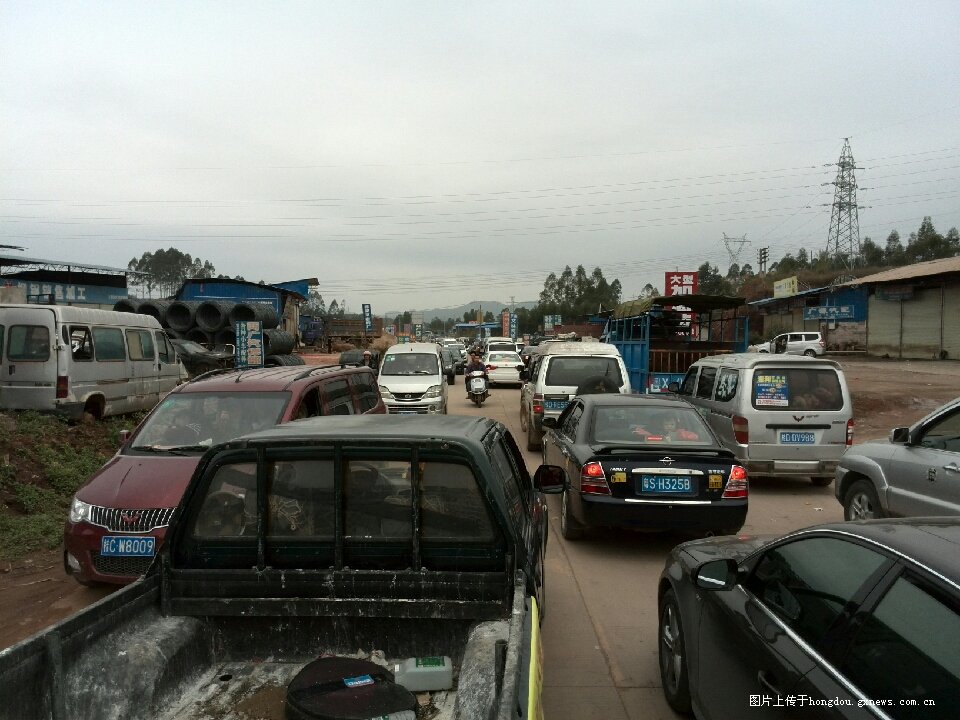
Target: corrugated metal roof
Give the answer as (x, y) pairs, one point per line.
(697, 303)
(911, 272)
(811, 291)
(17, 260)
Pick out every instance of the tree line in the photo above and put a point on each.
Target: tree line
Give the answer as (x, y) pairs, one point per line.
(575, 294)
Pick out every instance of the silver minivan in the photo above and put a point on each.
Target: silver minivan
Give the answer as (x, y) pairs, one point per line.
(83, 362)
(412, 381)
(782, 415)
(810, 344)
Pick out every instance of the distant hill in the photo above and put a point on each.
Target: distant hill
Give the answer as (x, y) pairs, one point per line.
(456, 313)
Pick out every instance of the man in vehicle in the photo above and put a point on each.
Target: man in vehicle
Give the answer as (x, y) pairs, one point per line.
(472, 366)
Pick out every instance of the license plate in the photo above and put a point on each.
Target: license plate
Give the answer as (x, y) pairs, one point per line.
(476, 383)
(126, 546)
(554, 404)
(798, 438)
(680, 484)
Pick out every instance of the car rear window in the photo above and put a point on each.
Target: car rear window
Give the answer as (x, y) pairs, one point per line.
(645, 424)
(571, 371)
(797, 389)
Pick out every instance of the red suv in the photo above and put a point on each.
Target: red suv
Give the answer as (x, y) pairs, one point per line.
(118, 518)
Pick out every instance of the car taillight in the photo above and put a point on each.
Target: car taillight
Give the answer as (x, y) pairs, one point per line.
(850, 425)
(592, 480)
(538, 404)
(741, 429)
(63, 382)
(737, 485)
(821, 343)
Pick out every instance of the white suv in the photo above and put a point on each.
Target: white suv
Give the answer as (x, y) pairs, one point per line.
(796, 343)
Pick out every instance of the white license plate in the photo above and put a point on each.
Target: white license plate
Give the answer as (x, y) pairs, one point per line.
(127, 546)
(798, 438)
(477, 383)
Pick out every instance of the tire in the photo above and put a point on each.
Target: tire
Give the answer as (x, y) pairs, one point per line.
(478, 400)
(821, 481)
(531, 443)
(451, 379)
(523, 418)
(810, 353)
(861, 502)
(672, 655)
(569, 527)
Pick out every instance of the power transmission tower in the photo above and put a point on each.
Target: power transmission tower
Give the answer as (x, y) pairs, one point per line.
(735, 247)
(843, 242)
(763, 254)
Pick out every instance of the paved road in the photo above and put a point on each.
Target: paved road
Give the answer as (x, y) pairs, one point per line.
(600, 630)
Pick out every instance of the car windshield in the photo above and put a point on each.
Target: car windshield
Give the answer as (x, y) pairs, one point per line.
(644, 424)
(410, 364)
(571, 371)
(197, 420)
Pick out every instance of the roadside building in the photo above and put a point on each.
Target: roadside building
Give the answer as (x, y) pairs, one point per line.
(912, 310)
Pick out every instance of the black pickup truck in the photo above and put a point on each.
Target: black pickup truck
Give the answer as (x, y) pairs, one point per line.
(363, 538)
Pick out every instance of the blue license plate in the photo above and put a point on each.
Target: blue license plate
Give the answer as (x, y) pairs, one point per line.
(554, 404)
(798, 438)
(127, 546)
(676, 484)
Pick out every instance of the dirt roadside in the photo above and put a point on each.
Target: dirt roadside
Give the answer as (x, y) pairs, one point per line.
(35, 592)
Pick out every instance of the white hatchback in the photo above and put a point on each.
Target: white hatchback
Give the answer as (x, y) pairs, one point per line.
(503, 367)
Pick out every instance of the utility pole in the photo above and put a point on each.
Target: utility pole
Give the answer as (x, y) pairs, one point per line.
(763, 254)
(843, 242)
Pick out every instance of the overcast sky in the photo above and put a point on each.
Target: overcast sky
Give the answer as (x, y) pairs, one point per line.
(425, 154)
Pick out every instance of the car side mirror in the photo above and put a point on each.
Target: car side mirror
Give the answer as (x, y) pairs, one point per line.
(550, 479)
(549, 422)
(900, 435)
(716, 575)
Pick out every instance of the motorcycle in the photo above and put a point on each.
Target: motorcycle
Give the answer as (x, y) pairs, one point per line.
(477, 386)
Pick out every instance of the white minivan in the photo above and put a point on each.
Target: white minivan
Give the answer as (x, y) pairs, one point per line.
(411, 379)
(82, 362)
(781, 415)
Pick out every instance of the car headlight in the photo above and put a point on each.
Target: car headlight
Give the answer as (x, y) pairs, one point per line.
(385, 392)
(79, 510)
(432, 392)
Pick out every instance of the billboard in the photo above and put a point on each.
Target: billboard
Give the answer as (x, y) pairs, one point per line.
(785, 288)
(367, 317)
(248, 351)
(680, 283)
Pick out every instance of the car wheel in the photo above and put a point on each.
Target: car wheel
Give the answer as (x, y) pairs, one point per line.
(861, 502)
(673, 657)
(810, 353)
(569, 527)
(523, 418)
(821, 481)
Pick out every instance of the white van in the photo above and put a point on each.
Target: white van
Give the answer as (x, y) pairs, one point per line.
(554, 376)
(82, 361)
(782, 415)
(412, 381)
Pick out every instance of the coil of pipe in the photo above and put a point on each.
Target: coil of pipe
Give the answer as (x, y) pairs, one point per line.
(212, 315)
(277, 342)
(199, 335)
(253, 311)
(181, 314)
(155, 308)
(126, 305)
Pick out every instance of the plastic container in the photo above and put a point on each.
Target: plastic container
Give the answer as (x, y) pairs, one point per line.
(419, 674)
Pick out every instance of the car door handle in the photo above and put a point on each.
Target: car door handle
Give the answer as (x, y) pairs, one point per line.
(952, 467)
(768, 682)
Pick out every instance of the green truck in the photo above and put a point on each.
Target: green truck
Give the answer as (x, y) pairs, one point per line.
(354, 539)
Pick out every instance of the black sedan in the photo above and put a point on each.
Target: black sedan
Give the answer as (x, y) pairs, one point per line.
(643, 462)
(197, 359)
(849, 620)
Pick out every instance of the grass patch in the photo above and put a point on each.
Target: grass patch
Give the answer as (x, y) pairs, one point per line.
(43, 461)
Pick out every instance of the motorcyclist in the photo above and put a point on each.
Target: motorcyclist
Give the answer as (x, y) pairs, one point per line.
(472, 366)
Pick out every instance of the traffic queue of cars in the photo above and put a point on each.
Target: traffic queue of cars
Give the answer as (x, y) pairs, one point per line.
(856, 613)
